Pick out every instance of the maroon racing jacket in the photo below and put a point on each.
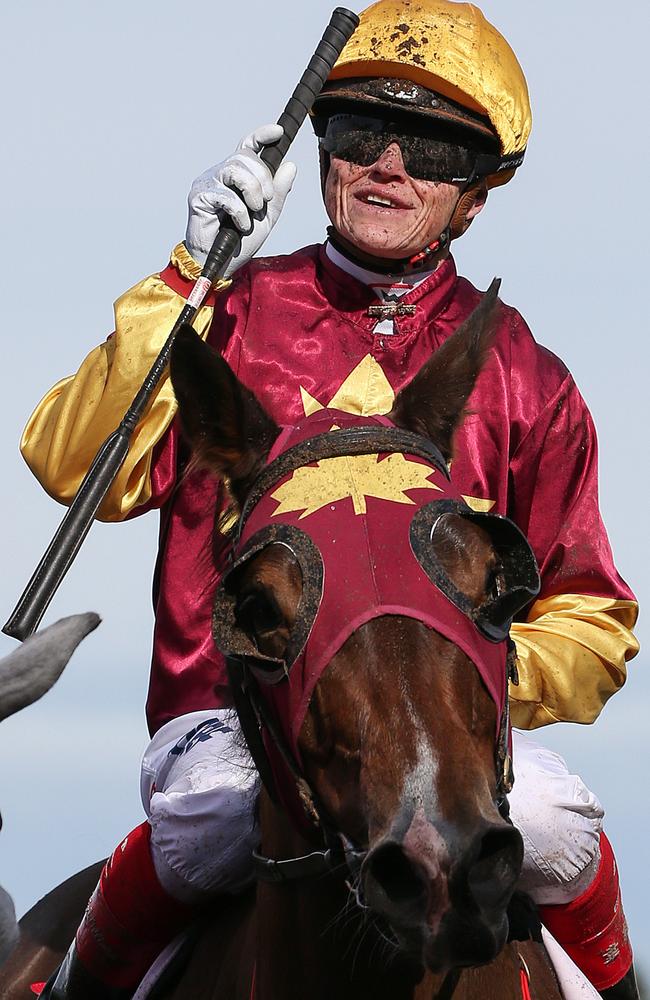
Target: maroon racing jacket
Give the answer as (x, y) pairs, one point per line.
(296, 331)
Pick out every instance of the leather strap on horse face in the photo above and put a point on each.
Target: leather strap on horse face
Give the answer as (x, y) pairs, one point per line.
(505, 771)
(254, 717)
(250, 723)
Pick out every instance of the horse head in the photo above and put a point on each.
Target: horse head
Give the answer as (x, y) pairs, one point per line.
(369, 607)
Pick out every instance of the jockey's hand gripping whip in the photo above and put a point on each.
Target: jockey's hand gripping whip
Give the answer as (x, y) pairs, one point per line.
(104, 468)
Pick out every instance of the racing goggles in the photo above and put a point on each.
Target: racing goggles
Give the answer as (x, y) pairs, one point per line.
(362, 140)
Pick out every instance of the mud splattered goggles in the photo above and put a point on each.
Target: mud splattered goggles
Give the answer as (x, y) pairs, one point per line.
(362, 140)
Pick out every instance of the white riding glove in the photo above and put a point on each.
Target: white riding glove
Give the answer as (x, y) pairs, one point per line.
(243, 187)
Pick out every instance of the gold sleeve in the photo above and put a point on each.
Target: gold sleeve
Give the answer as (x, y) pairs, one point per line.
(572, 654)
(76, 416)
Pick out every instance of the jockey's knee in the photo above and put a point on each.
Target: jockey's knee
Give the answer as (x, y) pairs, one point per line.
(202, 793)
(560, 821)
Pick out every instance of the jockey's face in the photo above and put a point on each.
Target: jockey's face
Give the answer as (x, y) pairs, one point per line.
(385, 212)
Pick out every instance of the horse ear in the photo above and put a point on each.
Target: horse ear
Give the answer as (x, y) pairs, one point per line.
(229, 431)
(433, 402)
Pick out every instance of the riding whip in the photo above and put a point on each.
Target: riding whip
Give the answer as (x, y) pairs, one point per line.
(75, 525)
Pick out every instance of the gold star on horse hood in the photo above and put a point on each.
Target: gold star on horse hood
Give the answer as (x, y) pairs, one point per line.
(362, 527)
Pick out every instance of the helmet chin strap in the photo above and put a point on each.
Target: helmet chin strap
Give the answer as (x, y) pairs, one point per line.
(426, 259)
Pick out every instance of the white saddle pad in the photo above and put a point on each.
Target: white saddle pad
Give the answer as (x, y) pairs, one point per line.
(573, 984)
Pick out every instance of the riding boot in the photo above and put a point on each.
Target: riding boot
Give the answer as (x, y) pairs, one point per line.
(72, 981)
(625, 989)
(129, 920)
(593, 931)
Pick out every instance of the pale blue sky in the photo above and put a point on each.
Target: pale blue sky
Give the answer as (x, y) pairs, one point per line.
(109, 112)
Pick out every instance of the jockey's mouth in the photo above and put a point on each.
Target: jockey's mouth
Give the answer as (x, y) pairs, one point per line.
(381, 200)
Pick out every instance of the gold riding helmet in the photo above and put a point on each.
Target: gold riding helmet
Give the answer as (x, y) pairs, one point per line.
(446, 48)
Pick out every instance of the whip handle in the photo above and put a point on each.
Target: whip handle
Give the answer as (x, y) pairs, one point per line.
(339, 30)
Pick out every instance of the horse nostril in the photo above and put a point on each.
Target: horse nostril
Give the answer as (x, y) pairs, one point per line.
(395, 873)
(393, 883)
(493, 874)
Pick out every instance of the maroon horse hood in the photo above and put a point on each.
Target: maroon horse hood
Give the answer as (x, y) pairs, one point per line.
(358, 512)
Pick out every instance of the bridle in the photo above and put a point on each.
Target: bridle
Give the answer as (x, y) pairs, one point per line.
(248, 669)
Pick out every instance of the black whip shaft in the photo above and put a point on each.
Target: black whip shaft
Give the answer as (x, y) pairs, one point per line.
(75, 525)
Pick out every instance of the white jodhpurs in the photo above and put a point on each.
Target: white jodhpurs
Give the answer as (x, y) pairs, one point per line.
(199, 788)
(560, 821)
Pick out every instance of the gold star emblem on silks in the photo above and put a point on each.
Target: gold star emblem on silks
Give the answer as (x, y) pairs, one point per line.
(366, 392)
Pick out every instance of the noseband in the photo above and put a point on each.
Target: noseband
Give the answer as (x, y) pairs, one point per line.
(249, 669)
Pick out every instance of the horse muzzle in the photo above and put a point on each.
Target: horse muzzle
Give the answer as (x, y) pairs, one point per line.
(444, 895)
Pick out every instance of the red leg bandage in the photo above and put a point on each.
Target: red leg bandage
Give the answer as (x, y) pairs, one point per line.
(130, 918)
(592, 928)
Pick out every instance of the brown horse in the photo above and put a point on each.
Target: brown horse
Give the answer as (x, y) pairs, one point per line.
(387, 863)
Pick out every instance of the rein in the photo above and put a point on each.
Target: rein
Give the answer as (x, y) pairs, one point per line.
(338, 850)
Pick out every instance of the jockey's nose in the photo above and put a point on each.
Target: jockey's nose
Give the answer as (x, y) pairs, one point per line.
(390, 165)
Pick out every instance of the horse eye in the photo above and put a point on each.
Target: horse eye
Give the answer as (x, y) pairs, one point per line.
(257, 613)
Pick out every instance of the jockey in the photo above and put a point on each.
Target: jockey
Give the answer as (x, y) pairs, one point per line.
(425, 112)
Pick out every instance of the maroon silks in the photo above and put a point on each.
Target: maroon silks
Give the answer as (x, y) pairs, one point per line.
(295, 329)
